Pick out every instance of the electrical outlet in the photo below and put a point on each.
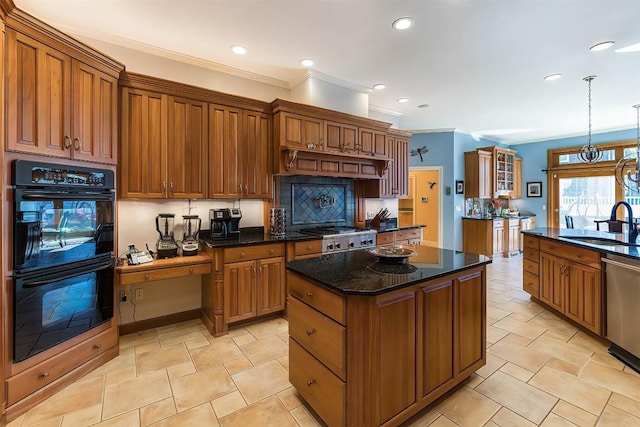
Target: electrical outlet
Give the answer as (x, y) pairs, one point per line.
(139, 294)
(123, 295)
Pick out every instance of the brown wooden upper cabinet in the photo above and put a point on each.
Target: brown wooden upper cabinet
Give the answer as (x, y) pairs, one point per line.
(395, 180)
(164, 146)
(341, 137)
(300, 131)
(374, 143)
(493, 170)
(478, 168)
(240, 153)
(58, 105)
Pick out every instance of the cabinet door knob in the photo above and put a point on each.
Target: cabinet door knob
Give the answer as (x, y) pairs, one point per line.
(310, 331)
(97, 346)
(310, 382)
(44, 374)
(67, 141)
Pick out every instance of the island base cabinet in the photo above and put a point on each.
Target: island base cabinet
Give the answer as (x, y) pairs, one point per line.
(403, 349)
(318, 385)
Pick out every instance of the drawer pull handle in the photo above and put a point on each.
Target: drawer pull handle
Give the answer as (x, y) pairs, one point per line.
(242, 254)
(191, 270)
(44, 374)
(97, 346)
(310, 382)
(271, 251)
(310, 331)
(146, 276)
(309, 294)
(309, 247)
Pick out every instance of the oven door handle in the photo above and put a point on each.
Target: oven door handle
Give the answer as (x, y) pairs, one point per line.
(78, 272)
(68, 196)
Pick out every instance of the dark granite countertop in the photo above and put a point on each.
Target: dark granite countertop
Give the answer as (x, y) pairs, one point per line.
(360, 272)
(256, 236)
(491, 218)
(567, 235)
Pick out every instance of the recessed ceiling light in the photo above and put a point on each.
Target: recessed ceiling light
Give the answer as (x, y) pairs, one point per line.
(403, 99)
(423, 105)
(627, 49)
(554, 76)
(379, 86)
(306, 62)
(403, 23)
(602, 46)
(239, 50)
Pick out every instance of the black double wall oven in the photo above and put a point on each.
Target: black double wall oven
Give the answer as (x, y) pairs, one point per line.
(63, 261)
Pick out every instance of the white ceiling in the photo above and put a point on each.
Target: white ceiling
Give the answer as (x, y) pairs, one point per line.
(479, 64)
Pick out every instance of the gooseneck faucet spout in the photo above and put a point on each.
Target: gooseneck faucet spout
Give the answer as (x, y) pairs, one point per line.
(633, 231)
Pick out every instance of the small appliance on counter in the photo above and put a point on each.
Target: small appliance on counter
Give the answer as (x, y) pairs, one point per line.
(225, 223)
(166, 246)
(191, 224)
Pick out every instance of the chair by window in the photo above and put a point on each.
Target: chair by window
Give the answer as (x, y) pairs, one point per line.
(569, 221)
(614, 226)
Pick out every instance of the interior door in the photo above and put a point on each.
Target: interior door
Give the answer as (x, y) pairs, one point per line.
(427, 204)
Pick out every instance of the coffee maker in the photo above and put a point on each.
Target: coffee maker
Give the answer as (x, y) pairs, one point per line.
(225, 223)
(191, 227)
(166, 246)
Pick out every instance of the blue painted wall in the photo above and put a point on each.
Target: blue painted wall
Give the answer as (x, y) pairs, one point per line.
(446, 149)
(534, 160)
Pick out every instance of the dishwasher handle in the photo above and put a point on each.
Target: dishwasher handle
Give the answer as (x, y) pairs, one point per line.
(635, 268)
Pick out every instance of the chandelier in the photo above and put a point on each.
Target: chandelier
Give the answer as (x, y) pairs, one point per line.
(589, 153)
(627, 179)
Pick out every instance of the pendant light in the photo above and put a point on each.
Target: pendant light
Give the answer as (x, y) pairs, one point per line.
(628, 180)
(589, 153)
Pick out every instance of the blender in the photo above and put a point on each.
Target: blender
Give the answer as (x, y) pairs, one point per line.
(191, 227)
(166, 246)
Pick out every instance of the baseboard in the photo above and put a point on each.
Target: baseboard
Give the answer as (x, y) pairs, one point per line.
(169, 319)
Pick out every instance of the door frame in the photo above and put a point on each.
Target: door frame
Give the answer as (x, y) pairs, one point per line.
(439, 192)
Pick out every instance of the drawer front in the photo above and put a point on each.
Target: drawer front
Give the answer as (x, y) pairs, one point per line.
(307, 248)
(246, 253)
(25, 383)
(570, 252)
(531, 242)
(498, 223)
(531, 254)
(385, 238)
(317, 385)
(164, 273)
(530, 266)
(324, 301)
(319, 335)
(414, 233)
(531, 284)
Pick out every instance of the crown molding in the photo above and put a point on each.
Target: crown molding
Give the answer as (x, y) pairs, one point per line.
(173, 55)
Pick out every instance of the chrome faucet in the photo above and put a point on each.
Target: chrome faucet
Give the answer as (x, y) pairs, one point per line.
(633, 231)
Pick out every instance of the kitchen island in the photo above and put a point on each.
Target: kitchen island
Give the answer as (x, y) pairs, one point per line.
(373, 343)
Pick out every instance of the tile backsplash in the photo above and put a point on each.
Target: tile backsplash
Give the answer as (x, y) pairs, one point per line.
(317, 201)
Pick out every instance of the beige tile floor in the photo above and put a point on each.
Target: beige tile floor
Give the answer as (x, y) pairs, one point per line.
(540, 370)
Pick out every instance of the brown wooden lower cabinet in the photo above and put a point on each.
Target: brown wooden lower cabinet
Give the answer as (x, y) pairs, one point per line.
(245, 282)
(377, 360)
(569, 281)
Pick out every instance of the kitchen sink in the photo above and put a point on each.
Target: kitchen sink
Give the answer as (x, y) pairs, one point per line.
(597, 240)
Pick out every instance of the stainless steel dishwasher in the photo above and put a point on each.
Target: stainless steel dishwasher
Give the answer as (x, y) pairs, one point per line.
(623, 308)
